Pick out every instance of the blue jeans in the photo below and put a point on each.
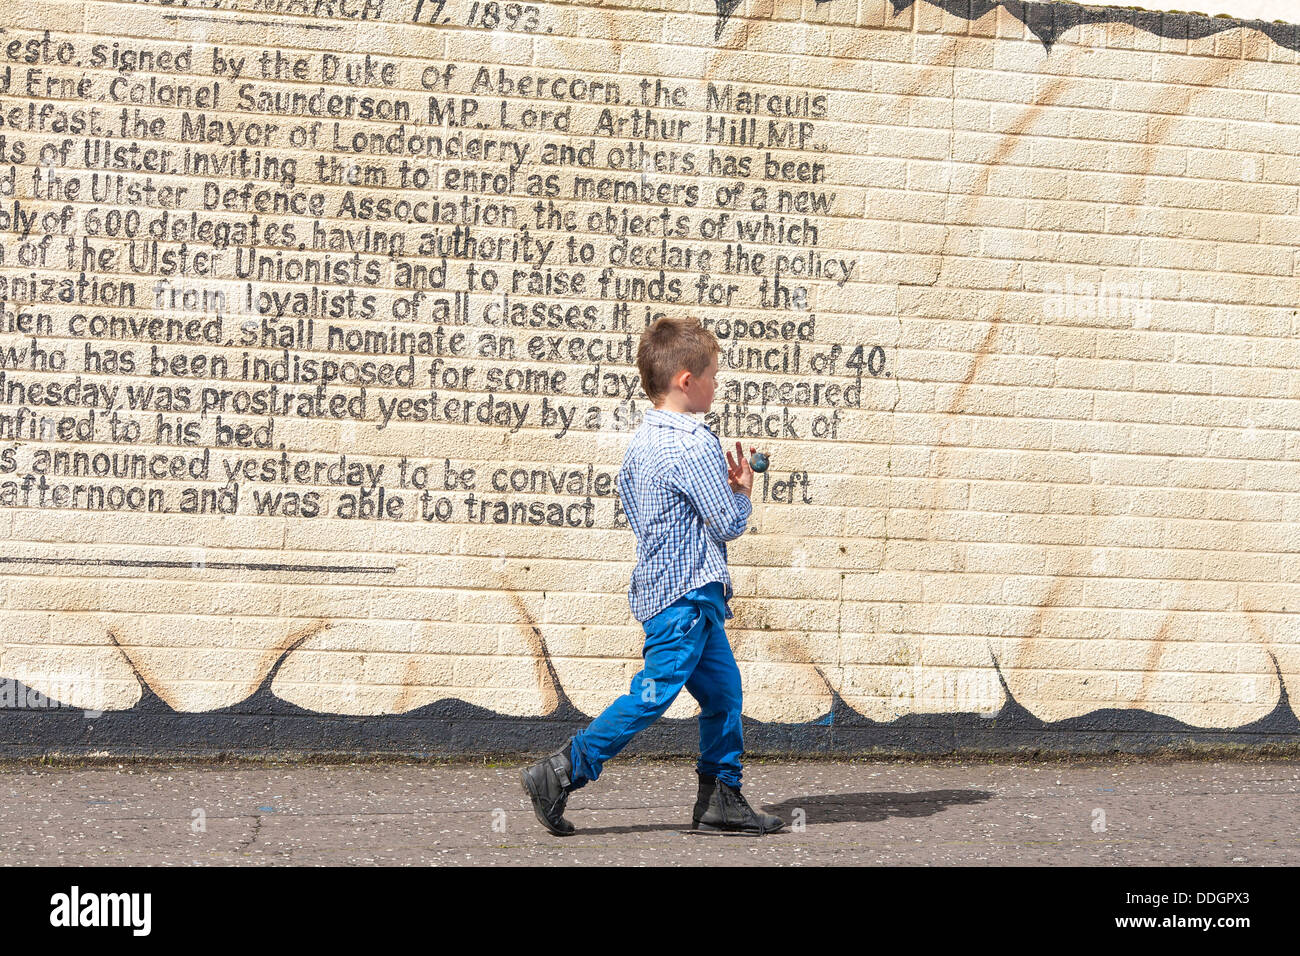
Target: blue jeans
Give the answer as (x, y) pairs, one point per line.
(685, 646)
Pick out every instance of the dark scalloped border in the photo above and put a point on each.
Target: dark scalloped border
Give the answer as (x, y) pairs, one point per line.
(263, 723)
(1050, 21)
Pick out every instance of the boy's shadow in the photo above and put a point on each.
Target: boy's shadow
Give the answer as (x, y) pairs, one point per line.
(837, 808)
(874, 807)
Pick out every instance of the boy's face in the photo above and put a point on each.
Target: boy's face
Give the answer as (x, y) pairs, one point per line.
(699, 389)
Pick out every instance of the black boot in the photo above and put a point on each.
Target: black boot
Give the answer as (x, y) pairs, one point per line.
(720, 808)
(548, 784)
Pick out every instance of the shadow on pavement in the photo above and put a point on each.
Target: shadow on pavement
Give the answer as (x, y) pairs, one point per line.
(831, 808)
(874, 807)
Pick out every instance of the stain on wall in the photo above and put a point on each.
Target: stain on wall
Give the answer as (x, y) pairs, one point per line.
(317, 363)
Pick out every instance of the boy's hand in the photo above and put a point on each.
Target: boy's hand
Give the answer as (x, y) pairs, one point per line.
(740, 475)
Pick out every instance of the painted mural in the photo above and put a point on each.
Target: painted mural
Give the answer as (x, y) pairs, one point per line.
(317, 363)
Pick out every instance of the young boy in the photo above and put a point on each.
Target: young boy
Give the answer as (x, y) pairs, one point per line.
(683, 503)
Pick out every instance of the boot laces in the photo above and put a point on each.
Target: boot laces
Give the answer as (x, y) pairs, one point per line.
(738, 798)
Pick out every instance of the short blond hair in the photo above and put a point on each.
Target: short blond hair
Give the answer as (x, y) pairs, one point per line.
(669, 345)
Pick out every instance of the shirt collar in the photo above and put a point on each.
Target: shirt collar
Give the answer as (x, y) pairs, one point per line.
(662, 416)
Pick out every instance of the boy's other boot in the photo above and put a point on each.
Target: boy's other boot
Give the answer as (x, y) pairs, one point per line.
(720, 808)
(548, 784)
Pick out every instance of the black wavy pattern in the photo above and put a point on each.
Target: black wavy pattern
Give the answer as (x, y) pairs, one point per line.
(1050, 21)
(264, 723)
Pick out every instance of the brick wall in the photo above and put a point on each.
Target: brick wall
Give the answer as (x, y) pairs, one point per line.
(1033, 474)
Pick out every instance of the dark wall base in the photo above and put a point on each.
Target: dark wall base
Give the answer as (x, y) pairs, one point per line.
(265, 725)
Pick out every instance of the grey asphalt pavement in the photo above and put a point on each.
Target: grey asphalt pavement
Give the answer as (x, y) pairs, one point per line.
(1100, 812)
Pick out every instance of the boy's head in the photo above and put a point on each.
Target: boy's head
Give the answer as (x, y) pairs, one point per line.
(678, 361)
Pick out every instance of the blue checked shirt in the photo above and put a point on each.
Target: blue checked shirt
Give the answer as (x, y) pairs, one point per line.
(673, 487)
